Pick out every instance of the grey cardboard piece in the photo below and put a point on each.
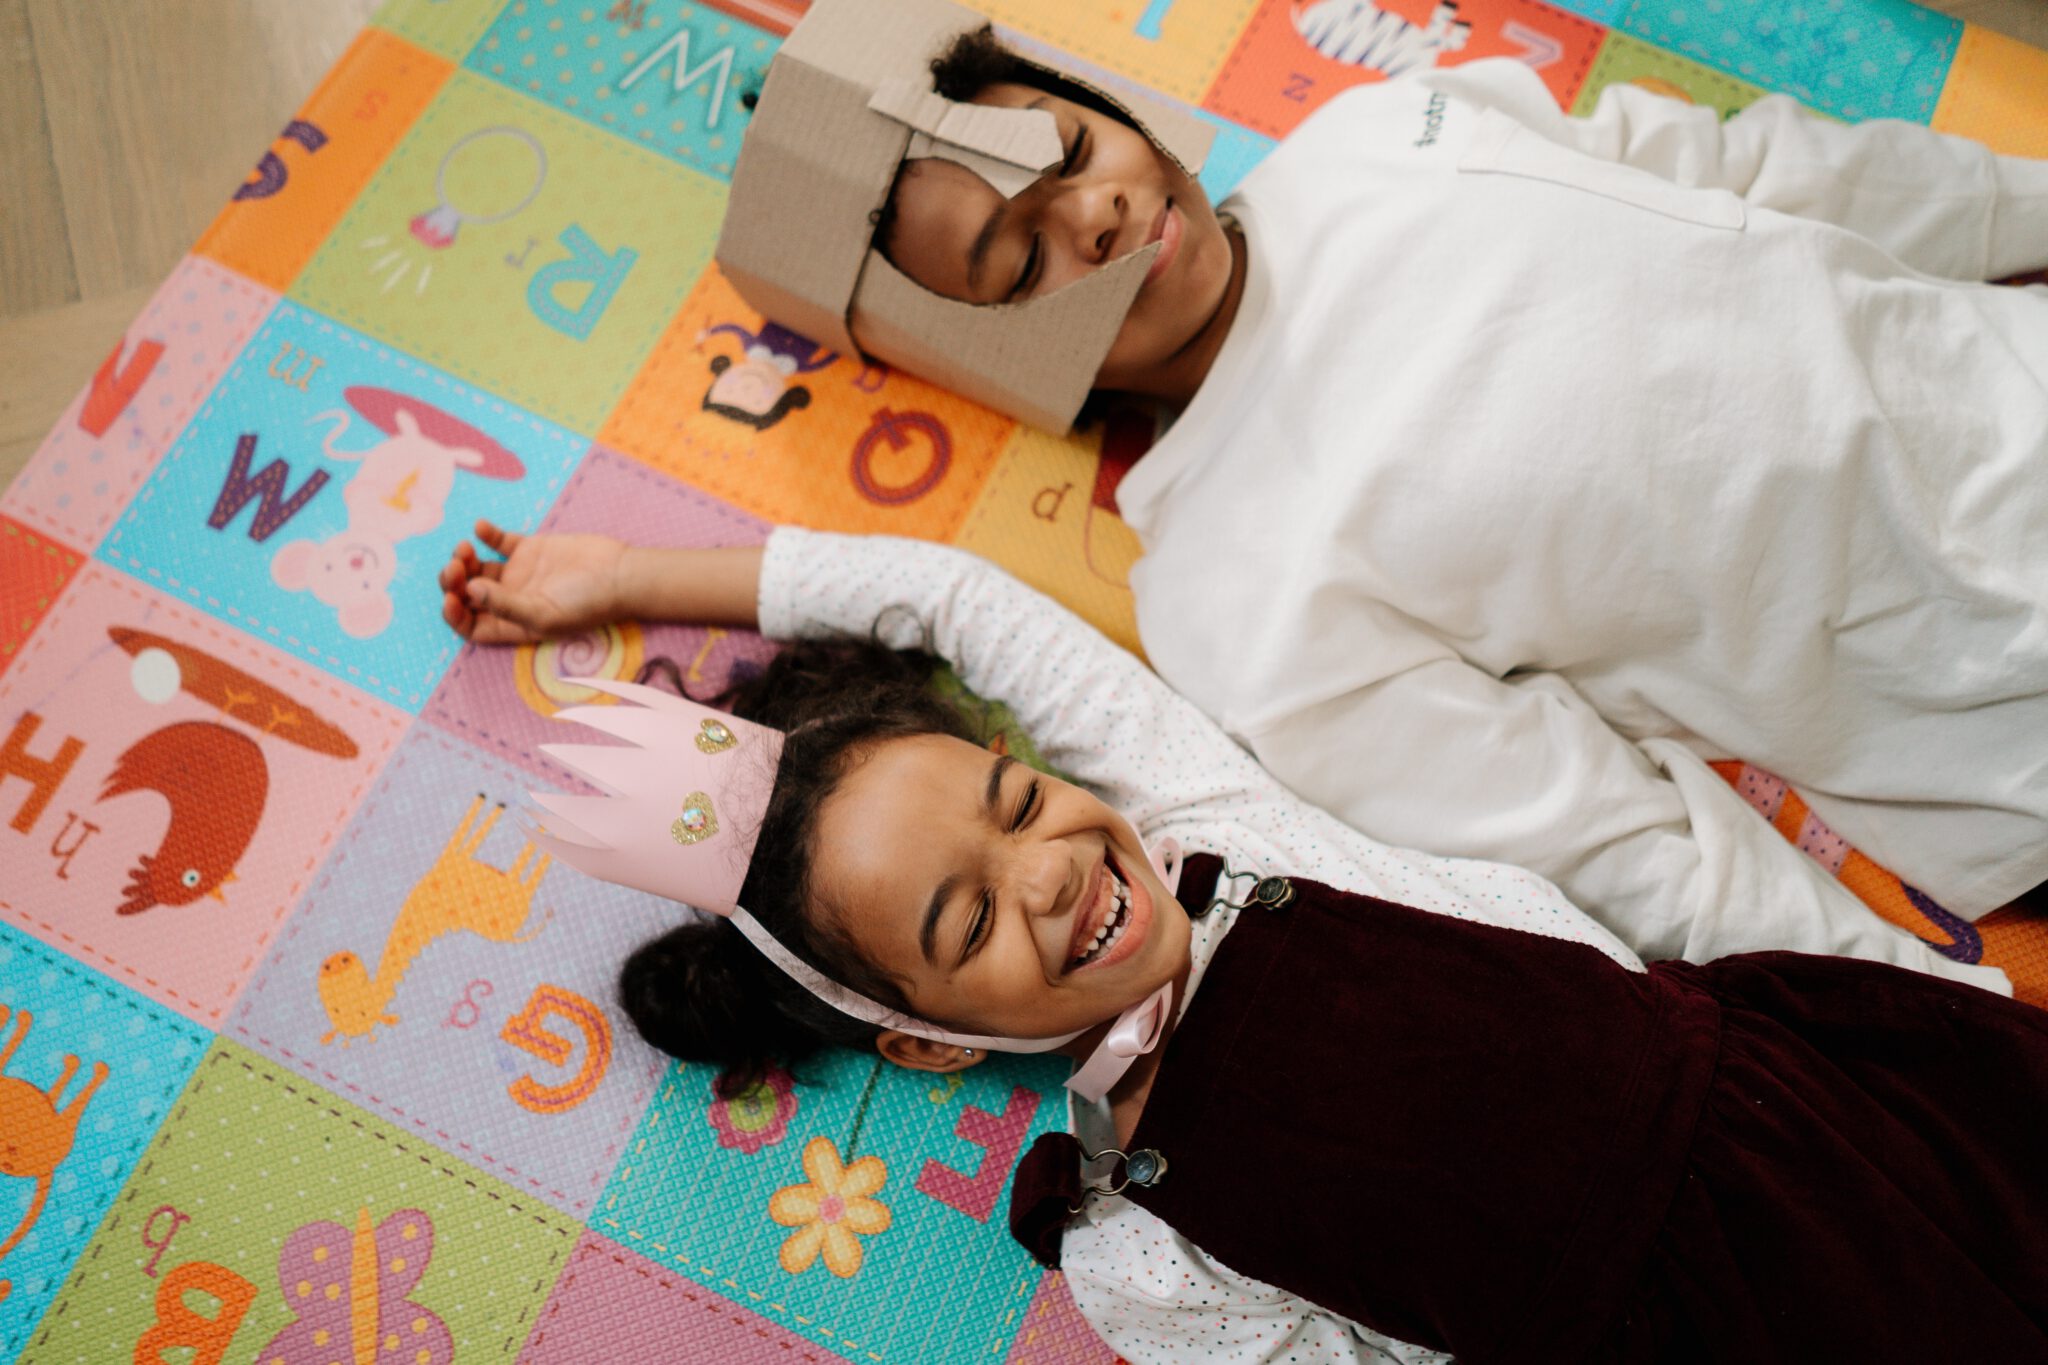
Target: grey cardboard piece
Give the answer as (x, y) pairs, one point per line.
(977, 350)
(1008, 148)
(816, 167)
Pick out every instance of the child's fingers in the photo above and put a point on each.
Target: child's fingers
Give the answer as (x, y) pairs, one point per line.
(497, 537)
(459, 617)
(482, 628)
(489, 597)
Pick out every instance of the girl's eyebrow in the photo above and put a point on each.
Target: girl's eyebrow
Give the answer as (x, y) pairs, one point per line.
(933, 913)
(991, 804)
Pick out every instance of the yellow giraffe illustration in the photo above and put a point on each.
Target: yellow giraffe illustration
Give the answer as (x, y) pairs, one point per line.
(458, 892)
(35, 1134)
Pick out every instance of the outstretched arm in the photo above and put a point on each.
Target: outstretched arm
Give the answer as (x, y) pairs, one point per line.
(1094, 711)
(1942, 204)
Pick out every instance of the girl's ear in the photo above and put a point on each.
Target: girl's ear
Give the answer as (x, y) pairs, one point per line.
(913, 1053)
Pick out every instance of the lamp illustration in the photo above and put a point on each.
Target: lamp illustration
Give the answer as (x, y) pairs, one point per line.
(438, 225)
(436, 228)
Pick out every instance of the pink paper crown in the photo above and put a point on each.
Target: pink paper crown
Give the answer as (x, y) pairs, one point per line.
(687, 792)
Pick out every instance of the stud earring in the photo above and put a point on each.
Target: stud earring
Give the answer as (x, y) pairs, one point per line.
(970, 1052)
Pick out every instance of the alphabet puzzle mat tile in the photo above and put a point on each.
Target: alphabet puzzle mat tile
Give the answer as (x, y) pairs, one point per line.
(798, 434)
(502, 699)
(1174, 46)
(613, 1305)
(1296, 55)
(669, 78)
(520, 248)
(323, 157)
(33, 570)
(1993, 94)
(1048, 515)
(1599, 11)
(449, 28)
(87, 1069)
(270, 1220)
(1874, 59)
(1623, 59)
(145, 392)
(914, 1268)
(350, 1081)
(240, 517)
(448, 976)
(170, 783)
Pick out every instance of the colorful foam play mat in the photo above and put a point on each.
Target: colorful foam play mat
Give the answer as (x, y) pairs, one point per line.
(304, 1054)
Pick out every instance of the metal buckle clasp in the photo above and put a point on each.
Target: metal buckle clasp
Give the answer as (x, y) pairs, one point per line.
(1145, 1167)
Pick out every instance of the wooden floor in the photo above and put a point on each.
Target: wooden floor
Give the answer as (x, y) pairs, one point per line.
(125, 124)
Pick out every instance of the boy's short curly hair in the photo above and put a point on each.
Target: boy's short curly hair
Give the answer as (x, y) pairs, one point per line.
(973, 62)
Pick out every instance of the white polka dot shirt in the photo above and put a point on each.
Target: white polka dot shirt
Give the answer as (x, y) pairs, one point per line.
(1107, 721)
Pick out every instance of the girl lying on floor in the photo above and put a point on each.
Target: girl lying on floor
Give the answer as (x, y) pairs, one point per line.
(1336, 1101)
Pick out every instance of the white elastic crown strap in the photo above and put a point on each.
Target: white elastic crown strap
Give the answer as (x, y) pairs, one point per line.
(1009, 148)
(1135, 1032)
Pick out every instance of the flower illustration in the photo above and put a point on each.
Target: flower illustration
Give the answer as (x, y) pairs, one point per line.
(758, 1116)
(828, 1211)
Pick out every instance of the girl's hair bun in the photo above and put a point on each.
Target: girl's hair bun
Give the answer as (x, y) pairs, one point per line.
(702, 993)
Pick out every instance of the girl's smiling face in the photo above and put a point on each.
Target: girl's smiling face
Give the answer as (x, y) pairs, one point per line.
(1114, 193)
(1005, 901)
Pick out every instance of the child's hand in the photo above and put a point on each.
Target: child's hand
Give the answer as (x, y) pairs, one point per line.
(546, 585)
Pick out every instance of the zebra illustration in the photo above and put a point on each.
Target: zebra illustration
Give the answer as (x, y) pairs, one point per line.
(1360, 33)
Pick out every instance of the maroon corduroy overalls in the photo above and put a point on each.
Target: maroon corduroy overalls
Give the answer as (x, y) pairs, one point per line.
(1509, 1147)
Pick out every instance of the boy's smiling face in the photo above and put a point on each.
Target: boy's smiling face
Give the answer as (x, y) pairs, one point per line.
(1114, 193)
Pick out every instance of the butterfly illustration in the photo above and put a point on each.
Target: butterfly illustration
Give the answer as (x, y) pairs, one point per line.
(349, 1291)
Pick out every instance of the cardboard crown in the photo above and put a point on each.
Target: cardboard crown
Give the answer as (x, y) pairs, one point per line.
(848, 97)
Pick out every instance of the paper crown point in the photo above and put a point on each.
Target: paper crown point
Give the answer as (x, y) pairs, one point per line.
(683, 799)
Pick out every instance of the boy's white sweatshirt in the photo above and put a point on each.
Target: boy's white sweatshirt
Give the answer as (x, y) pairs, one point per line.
(1101, 717)
(1548, 457)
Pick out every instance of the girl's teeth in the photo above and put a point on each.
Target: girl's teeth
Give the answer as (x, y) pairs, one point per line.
(1112, 928)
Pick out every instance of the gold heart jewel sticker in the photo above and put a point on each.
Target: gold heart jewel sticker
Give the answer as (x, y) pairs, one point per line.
(698, 821)
(715, 737)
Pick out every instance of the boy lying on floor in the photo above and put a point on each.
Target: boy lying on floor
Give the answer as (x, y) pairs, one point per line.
(1526, 462)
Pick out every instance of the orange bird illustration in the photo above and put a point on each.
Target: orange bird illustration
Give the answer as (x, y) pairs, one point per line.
(215, 780)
